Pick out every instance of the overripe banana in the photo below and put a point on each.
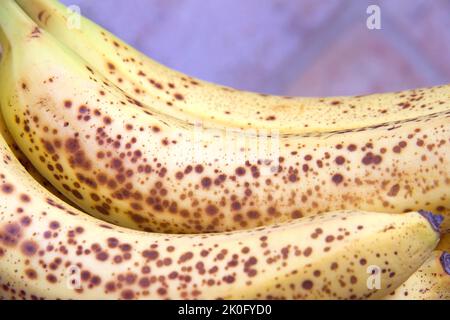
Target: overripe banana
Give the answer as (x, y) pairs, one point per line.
(191, 99)
(49, 250)
(146, 170)
(27, 165)
(430, 282)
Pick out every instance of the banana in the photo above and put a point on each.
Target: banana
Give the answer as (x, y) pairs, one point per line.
(49, 250)
(146, 170)
(430, 282)
(28, 166)
(190, 99)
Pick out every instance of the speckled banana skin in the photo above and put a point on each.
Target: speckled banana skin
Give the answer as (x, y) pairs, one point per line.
(26, 163)
(190, 99)
(132, 167)
(49, 250)
(430, 282)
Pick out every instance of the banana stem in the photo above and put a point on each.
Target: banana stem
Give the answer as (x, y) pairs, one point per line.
(434, 219)
(445, 261)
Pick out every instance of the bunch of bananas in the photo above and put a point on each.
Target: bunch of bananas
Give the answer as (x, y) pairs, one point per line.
(197, 191)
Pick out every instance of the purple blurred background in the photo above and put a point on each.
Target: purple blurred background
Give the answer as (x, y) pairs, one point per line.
(294, 47)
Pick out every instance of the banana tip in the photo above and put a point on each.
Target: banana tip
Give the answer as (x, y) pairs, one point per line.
(434, 219)
(445, 261)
